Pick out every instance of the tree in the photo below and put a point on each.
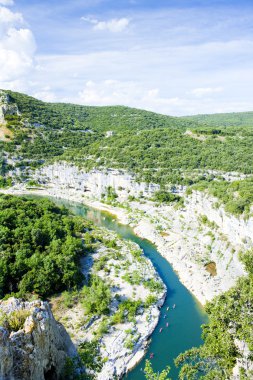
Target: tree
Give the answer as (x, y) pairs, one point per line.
(151, 375)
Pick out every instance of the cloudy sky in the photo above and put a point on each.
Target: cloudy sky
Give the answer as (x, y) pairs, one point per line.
(176, 57)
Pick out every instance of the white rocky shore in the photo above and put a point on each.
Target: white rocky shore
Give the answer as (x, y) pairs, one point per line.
(189, 238)
(125, 270)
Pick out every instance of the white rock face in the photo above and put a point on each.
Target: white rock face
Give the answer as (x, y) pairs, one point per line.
(37, 351)
(180, 235)
(124, 343)
(95, 183)
(6, 107)
(238, 230)
(244, 362)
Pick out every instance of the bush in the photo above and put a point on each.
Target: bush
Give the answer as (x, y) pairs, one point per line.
(96, 297)
(15, 320)
(165, 197)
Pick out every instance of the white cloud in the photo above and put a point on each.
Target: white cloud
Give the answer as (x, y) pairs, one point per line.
(109, 92)
(114, 25)
(17, 48)
(6, 2)
(8, 18)
(202, 91)
(134, 94)
(45, 94)
(128, 77)
(204, 66)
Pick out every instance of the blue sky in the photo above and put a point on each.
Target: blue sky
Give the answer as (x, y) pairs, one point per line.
(174, 57)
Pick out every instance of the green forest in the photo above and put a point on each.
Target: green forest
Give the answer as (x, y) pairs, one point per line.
(156, 148)
(234, 119)
(41, 244)
(40, 247)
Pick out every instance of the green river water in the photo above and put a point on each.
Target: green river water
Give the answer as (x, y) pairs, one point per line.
(184, 321)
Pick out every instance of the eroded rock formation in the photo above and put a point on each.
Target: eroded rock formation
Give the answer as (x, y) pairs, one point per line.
(38, 349)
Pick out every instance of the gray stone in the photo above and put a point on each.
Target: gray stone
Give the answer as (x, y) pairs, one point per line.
(38, 351)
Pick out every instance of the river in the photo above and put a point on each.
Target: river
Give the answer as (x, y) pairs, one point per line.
(184, 320)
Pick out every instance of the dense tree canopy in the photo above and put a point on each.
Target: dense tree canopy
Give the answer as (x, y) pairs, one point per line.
(156, 147)
(230, 318)
(40, 247)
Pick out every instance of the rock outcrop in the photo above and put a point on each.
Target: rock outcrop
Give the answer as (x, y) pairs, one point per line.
(244, 363)
(6, 108)
(39, 346)
(96, 182)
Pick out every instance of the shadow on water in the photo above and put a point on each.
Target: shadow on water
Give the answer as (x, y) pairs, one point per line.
(184, 321)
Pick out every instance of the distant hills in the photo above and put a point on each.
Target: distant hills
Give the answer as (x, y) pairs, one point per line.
(238, 119)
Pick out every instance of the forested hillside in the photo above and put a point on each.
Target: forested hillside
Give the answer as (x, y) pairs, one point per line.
(41, 242)
(157, 148)
(233, 119)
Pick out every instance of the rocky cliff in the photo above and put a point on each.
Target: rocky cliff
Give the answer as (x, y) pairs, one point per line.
(190, 237)
(33, 346)
(96, 182)
(6, 108)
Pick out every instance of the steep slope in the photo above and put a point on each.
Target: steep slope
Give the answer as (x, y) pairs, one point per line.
(133, 159)
(33, 346)
(104, 291)
(156, 148)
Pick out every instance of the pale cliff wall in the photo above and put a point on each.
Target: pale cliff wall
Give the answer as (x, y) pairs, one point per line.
(95, 183)
(179, 234)
(37, 351)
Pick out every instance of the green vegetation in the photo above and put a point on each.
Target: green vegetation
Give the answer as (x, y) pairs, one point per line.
(96, 297)
(134, 278)
(163, 196)
(40, 243)
(154, 147)
(5, 182)
(15, 320)
(157, 148)
(40, 247)
(89, 355)
(230, 318)
(151, 375)
(82, 366)
(237, 196)
(234, 119)
(127, 311)
(153, 285)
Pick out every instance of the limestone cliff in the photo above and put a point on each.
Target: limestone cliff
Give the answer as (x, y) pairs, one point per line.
(6, 108)
(180, 235)
(96, 182)
(33, 346)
